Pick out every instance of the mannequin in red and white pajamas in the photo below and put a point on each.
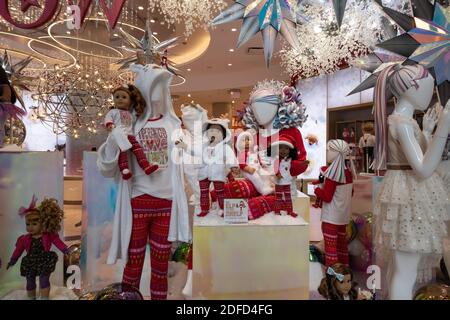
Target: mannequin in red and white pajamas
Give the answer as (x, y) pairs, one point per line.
(336, 197)
(157, 213)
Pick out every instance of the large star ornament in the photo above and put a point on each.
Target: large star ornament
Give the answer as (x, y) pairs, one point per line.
(153, 52)
(426, 41)
(269, 17)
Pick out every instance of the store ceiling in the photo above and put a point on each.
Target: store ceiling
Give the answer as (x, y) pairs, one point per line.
(206, 60)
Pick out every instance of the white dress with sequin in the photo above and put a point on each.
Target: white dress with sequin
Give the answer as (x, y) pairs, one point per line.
(411, 212)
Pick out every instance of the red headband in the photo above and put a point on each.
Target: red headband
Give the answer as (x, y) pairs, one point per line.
(32, 207)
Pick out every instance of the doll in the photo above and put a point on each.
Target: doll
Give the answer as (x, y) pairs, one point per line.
(127, 99)
(285, 150)
(43, 223)
(250, 165)
(338, 283)
(318, 203)
(7, 99)
(217, 160)
(336, 197)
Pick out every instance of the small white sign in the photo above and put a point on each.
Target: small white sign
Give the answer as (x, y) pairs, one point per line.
(236, 211)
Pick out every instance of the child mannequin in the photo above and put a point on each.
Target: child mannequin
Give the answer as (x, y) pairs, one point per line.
(336, 195)
(217, 160)
(43, 223)
(127, 100)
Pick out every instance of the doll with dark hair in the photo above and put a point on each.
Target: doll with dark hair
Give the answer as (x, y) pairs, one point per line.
(43, 223)
(7, 99)
(126, 100)
(338, 283)
(285, 151)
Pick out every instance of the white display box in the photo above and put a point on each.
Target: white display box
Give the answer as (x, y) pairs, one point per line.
(267, 258)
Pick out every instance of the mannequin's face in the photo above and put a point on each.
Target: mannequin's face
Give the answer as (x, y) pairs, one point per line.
(420, 98)
(331, 155)
(264, 112)
(214, 134)
(192, 118)
(283, 151)
(157, 92)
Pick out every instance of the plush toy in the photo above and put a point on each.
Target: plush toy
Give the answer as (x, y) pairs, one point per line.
(217, 160)
(43, 223)
(127, 100)
(285, 152)
(250, 165)
(336, 197)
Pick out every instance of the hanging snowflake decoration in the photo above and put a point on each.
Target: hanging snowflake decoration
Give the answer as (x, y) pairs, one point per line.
(325, 47)
(192, 13)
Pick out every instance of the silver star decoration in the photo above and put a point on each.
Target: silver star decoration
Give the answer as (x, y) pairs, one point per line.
(14, 72)
(268, 16)
(339, 10)
(152, 52)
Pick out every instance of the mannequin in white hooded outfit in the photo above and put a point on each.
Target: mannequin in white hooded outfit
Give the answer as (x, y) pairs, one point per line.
(411, 204)
(149, 209)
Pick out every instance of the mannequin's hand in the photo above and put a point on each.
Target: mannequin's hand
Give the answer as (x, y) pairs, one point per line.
(181, 144)
(430, 119)
(445, 114)
(250, 170)
(10, 264)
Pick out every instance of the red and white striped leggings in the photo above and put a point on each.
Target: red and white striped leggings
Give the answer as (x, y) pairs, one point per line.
(283, 198)
(336, 245)
(219, 188)
(151, 221)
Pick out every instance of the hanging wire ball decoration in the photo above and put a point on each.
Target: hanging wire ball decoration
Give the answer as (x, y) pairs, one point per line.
(73, 101)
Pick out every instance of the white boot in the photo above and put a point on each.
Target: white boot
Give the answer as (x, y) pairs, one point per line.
(187, 290)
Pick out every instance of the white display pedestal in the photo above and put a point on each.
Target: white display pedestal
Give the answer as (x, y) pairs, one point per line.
(268, 258)
(302, 205)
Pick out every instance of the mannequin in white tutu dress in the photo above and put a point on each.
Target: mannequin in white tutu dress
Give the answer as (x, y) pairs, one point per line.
(412, 204)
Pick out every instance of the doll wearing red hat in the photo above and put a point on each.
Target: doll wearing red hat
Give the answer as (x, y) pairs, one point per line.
(286, 168)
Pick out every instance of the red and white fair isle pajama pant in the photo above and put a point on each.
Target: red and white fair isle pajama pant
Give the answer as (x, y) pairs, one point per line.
(336, 245)
(151, 221)
(283, 198)
(219, 188)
